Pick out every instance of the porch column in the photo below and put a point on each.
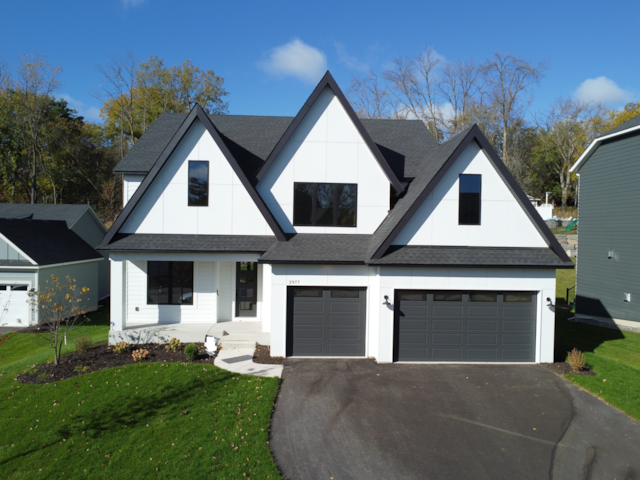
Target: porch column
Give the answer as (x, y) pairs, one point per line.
(118, 285)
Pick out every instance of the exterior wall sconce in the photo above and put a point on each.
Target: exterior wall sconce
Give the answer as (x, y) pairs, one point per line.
(610, 254)
(627, 297)
(550, 302)
(386, 300)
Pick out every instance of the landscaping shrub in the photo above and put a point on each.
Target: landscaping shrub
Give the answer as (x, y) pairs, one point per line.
(83, 343)
(121, 347)
(576, 360)
(174, 344)
(191, 351)
(80, 368)
(140, 354)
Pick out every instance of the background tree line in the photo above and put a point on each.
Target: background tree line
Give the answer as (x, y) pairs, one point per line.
(449, 96)
(50, 154)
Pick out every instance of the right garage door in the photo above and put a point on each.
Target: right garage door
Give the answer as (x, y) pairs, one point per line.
(456, 326)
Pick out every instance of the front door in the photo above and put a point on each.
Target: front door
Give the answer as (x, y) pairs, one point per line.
(246, 289)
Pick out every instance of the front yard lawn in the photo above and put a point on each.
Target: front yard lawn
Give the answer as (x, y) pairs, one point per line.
(613, 354)
(147, 420)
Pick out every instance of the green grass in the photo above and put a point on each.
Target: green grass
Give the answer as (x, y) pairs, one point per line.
(147, 420)
(614, 354)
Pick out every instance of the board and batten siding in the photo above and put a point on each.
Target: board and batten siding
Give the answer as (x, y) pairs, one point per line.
(88, 228)
(204, 305)
(226, 290)
(609, 198)
(85, 274)
(7, 252)
(130, 184)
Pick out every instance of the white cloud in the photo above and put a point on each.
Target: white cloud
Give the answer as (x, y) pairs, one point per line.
(86, 111)
(132, 3)
(602, 90)
(296, 59)
(351, 62)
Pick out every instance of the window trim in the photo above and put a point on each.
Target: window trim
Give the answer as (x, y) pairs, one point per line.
(479, 203)
(208, 181)
(314, 205)
(170, 286)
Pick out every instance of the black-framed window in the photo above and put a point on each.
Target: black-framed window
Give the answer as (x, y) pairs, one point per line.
(469, 200)
(169, 283)
(325, 204)
(198, 183)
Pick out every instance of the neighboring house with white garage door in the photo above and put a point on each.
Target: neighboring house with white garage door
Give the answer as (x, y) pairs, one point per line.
(31, 251)
(341, 236)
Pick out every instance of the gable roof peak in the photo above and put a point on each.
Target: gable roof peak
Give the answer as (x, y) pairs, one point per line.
(328, 81)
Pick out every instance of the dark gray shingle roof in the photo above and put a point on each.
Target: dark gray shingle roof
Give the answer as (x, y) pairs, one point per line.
(41, 211)
(319, 248)
(437, 158)
(634, 122)
(403, 143)
(47, 242)
(191, 243)
(472, 256)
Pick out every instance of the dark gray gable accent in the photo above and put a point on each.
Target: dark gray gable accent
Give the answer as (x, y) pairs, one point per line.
(475, 134)
(328, 80)
(196, 113)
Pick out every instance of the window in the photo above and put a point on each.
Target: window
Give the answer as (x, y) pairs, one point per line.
(447, 297)
(469, 212)
(483, 297)
(325, 204)
(169, 283)
(198, 183)
(414, 296)
(517, 297)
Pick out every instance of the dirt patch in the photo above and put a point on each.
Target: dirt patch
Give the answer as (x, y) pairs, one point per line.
(101, 356)
(563, 368)
(262, 354)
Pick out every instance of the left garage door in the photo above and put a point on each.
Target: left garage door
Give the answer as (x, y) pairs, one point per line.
(326, 321)
(14, 307)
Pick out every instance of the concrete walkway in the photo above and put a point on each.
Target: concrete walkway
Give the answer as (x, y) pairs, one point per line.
(240, 360)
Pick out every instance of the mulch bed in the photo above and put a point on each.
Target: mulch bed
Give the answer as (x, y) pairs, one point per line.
(563, 368)
(101, 356)
(262, 354)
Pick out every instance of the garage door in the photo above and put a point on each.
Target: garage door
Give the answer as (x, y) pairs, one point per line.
(458, 326)
(326, 321)
(14, 306)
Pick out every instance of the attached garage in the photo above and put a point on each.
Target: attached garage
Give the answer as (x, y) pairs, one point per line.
(462, 326)
(326, 321)
(14, 302)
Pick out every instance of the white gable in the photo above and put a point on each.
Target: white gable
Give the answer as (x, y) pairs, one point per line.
(503, 221)
(164, 206)
(327, 148)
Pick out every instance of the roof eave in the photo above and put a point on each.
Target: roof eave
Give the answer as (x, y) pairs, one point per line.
(594, 145)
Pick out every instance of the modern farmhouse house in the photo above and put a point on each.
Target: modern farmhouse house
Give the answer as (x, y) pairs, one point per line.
(341, 236)
(607, 280)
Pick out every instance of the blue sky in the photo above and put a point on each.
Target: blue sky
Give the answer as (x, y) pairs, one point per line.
(271, 54)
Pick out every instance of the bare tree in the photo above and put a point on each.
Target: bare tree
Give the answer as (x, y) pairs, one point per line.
(508, 79)
(564, 129)
(460, 83)
(369, 98)
(413, 84)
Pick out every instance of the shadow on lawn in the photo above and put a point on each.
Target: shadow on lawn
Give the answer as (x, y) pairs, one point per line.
(127, 411)
(584, 337)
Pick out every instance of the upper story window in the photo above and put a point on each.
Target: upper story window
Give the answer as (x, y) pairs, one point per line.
(198, 183)
(470, 193)
(325, 204)
(169, 283)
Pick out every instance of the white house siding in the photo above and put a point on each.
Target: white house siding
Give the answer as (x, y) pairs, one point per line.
(14, 309)
(130, 184)
(89, 228)
(164, 206)
(204, 305)
(85, 274)
(383, 281)
(226, 290)
(327, 148)
(504, 223)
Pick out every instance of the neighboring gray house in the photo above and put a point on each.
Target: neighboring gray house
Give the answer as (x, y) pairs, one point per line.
(608, 279)
(37, 241)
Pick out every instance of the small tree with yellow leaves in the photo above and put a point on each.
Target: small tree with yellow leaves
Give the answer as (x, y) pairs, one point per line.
(60, 311)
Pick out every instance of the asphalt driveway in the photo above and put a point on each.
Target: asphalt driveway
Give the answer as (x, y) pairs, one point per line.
(351, 419)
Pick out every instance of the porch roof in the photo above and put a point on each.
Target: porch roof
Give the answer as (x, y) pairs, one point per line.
(144, 242)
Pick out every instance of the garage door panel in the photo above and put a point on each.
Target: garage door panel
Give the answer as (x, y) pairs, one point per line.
(448, 311)
(326, 321)
(446, 325)
(481, 327)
